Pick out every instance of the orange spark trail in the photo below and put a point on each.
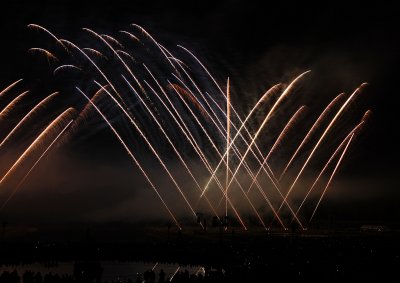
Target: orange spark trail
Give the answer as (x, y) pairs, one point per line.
(266, 119)
(88, 107)
(130, 35)
(170, 142)
(132, 157)
(112, 39)
(95, 52)
(10, 106)
(35, 26)
(267, 170)
(332, 175)
(204, 68)
(62, 67)
(281, 136)
(46, 53)
(62, 117)
(222, 158)
(335, 153)
(283, 95)
(228, 130)
(210, 169)
(266, 94)
(187, 95)
(215, 116)
(152, 149)
(116, 54)
(205, 161)
(9, 87)
(126, 54)
(34, 165)
(320, 141)
(315, 126)
(156, 43)
(188, 133)
(233, 109)
(247, 168)
(28, 116)
(93, 63)
(354, 131)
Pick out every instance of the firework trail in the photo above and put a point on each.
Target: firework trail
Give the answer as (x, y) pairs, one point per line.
(335, 153)
(269, 92)
(38, 27)
(203, 97)
(10, 106)
(4, 91)
(65, 116)
(112, 40)
(117, 55)
(155, 265)
(182, 111)
(132, 157)
(266, 119)
(312, 130)
(171, 143)
(320, 140)
(93, 63)
(222, 159)
(84, 113)
(49, 56)
(283, 95)
(188, 96)
(29, 116)
(95, 52)
(233, 109)
(238, 154)
(268, 116)
(228, 123)
(126, 54)
(160, 47)
(173, 275)
(67, 66)
(130, 35)
(34, 165)
(267, 170)
(354, 132)
(154, 151)
(331, 177)
(208, 166)
(187, 136)
(289, 125)
(215, 147)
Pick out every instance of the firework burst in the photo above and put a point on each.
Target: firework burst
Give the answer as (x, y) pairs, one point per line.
(161, 98)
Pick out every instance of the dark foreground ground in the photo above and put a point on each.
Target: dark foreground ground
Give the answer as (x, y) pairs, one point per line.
(230, 255)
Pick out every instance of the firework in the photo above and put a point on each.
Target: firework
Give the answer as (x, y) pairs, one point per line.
(177, 110)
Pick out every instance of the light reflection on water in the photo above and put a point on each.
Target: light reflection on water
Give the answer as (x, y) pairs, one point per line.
(112, 270)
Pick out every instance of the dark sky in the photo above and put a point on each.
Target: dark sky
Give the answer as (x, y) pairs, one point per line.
(344, 44)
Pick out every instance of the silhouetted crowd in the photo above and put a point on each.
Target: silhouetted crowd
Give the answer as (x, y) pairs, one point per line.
(148, 277)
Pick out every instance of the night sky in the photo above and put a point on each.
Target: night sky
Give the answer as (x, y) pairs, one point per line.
(256, 46)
